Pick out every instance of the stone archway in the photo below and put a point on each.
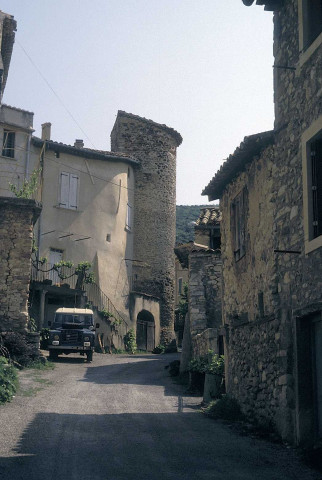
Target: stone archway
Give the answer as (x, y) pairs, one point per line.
(145, 331)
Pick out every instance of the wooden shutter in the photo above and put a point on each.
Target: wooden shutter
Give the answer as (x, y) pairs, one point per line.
(73, 189)
(64, 190)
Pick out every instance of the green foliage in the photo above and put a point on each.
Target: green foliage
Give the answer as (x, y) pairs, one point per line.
(32, 325)
(130, 341)
(41, 364)
(44, 338)
(106, 314)
(28, 187)
(186, 215)
(199, 364)
(216, 365)
(8, 381)
(225, 408)
(159, 349)
(83, 274)
(211, 363)
(116, 322)
(63, 263)
(20, 350)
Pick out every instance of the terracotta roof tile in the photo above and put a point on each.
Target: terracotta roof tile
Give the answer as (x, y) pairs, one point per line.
(209, 216)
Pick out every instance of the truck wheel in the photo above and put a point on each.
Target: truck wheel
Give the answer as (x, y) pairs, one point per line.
(89, 356)
(53, 355)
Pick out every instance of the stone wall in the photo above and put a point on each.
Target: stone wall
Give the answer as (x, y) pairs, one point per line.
(16, 224)
(253, 275)
(276, 282)
(205, 276)
(298, 103)
(154, 146)
(205, 341)
(260, 371)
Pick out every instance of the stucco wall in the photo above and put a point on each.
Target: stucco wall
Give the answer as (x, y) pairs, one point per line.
(15, 170)
(104, 190)
(139, 303)
(16, 225)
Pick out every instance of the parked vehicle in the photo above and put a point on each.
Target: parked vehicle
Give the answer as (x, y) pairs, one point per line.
(72, 332)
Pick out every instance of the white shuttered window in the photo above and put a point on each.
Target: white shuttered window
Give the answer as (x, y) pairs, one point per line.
(68, 190)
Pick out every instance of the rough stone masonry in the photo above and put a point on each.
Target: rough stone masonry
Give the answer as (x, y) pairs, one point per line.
(17, 217)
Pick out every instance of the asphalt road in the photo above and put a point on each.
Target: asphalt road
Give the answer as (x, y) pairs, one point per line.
(122, 418)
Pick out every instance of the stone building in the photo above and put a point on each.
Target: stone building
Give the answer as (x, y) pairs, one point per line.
(202, 261)
(17, 217)
(154, 146)
(114, 209)
(101, 207)
(270, 192)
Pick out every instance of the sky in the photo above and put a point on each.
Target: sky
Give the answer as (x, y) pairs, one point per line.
(201, 67)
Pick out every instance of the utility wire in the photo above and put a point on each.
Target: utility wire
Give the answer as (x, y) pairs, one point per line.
(53, 91)
(96, 176)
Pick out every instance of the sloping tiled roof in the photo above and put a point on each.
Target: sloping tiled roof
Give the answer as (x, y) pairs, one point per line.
(209, 217)
(85, 152)
(269, 4)
(235, 163)
(170, 130)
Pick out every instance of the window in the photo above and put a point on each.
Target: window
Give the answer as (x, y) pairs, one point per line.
(128, 224)
(238, 217)
(312, 21)
(8, 147)
(68, 190)
(312, 185)
(315, 151)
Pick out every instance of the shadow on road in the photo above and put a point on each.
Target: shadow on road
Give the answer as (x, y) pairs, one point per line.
(139, 370)
(125, 446)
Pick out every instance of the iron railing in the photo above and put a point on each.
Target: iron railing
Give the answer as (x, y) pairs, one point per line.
(66, 275)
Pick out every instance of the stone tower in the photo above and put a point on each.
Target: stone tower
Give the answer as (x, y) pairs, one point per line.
(154, 145)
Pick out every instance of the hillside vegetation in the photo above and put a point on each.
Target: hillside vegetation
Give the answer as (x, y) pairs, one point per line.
(186, 215)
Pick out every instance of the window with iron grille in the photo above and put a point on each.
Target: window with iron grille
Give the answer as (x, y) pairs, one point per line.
(315, 152)
(8, 146)
(238, 218)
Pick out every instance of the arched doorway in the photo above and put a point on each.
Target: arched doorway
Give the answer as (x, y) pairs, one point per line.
(145, 331)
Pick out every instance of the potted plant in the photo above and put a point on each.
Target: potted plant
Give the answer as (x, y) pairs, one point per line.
(214, 377)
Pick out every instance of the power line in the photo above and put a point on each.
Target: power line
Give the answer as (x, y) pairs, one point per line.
(161, 200)
(53, 91)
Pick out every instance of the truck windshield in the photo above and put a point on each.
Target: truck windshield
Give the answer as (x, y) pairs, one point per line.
(62, 318)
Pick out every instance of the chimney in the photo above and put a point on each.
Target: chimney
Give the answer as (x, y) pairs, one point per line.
(79, 143)
(45, 131)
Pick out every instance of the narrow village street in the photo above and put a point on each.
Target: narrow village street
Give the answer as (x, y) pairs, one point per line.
(122, 417)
